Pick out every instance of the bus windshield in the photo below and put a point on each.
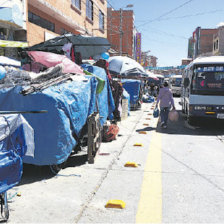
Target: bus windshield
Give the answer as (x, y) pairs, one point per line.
(208, 80)
(176, 82)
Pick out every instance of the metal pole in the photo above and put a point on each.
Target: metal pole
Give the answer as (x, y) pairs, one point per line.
(121, 33)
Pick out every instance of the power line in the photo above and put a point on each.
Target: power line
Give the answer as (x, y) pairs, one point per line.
(191, 15)
(168, 34)
(166, 13)
(108, 2)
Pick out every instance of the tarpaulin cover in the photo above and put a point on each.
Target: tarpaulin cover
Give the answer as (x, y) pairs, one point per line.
(68, 105)
(5, 61)
(105, 98)
(50, 60)
(16, 139)
(86, 45)
(133, 88)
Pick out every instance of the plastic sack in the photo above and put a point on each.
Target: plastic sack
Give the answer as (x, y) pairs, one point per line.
(173, 115)
(110, 132)
(156, 113)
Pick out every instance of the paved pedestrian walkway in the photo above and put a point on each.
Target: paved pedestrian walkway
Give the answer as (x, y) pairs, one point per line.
(80, 191)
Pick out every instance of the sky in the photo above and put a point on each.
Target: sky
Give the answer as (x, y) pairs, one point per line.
(166, 25)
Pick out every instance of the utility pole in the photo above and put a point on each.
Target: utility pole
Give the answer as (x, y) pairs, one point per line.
(121, 32)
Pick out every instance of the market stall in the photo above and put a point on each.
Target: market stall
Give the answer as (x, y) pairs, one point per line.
(134, 89)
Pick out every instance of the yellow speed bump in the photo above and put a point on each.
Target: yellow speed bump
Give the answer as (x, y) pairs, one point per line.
(115, 204)
(131, 164)
(138, 144)
(142, 132)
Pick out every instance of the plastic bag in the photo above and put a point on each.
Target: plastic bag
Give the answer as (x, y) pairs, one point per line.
(156, 113)
(173, 115)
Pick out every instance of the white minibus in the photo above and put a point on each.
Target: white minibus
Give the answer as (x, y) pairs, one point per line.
(175, 84)
(202, 92)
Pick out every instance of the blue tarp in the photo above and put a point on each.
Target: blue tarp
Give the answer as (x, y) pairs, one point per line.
(133, 88)
(68, 105)
(15, 140)
(148, 99)
(105, 98)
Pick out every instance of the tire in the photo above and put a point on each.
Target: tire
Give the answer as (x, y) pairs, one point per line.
(191, 120)
(56, 168)
(4, 207)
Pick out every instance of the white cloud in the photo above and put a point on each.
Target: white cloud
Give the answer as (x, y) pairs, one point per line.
(220, 24)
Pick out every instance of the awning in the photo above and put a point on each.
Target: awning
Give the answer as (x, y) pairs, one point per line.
(8, 43)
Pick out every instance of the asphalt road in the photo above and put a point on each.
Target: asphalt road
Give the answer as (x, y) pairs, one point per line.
(179, 178)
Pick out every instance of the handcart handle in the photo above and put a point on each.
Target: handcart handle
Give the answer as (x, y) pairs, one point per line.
(24, 112)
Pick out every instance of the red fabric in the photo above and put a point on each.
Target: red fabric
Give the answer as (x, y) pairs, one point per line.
(50, 60)
(73, 55)
(111, 133)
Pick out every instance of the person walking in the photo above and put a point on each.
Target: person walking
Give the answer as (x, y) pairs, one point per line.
(165, 98)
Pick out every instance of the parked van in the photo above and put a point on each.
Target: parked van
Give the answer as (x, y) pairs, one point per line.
(202, 93)
(175, 84)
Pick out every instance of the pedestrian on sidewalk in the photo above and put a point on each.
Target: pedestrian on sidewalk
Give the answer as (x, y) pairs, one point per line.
(165, 98)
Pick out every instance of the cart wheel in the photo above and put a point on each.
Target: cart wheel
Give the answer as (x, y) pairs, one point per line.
(4, 206)
(91, 160)
(56, 168)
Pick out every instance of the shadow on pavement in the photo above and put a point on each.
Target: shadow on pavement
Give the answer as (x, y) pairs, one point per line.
(32, 173)
(146, 129)
(76, 160)
(208, 127)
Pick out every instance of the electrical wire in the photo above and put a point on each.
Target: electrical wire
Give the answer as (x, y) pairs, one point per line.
(169, 34)
(166, 13)
(191, 15)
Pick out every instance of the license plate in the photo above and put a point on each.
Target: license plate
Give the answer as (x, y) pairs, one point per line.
(220, 116)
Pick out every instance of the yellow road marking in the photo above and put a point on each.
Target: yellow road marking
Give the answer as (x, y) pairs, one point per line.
(150, 204)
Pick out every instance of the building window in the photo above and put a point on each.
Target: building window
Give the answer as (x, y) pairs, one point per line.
(77, 4)
(89, 9)
(41, 22)
(101, 20)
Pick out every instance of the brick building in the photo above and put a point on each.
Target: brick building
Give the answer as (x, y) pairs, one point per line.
(203, 42)
(153, 61)
(55, 17)
(45, 19)
(121, 31)
(218, 42)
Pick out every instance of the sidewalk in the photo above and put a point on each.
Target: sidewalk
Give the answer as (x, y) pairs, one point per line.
(66, 196)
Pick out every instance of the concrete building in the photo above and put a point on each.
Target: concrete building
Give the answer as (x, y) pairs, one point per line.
(145, 59)
(153, 61)
(218, 42)
(203, 42)
(35, 21)
(186, 61)
(121, 32)
(190, 52)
